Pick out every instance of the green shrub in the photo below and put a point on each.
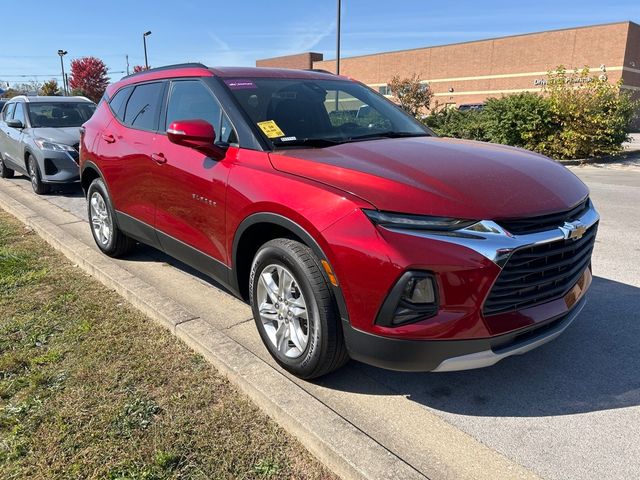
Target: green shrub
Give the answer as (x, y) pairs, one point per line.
(458, 124)
(522, 120)
(593, 115)
(578, 116)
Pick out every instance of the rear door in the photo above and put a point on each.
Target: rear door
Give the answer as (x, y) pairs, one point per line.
(190, 210)
(125, 149)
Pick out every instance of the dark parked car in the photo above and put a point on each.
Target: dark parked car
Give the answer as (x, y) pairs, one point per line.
(39, 137)
(351, 235)
(466, 107)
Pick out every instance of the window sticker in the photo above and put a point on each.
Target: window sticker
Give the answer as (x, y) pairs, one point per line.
(271, 129)
(240, 84)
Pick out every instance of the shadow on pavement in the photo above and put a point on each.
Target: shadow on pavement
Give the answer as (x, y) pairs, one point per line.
(594, 365)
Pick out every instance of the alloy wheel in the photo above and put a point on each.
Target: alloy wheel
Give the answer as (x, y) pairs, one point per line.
(283, 310)
(33, 174)
(100, 219)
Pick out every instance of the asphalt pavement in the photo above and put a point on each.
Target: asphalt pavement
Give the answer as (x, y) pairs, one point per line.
(570, 409)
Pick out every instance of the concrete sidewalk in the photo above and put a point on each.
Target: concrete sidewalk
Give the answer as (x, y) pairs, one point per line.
(357, 425)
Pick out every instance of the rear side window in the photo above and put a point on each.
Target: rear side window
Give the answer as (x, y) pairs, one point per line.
(143, 106)
(119, 101)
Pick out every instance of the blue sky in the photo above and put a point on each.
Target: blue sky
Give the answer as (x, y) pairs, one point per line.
(238, 33)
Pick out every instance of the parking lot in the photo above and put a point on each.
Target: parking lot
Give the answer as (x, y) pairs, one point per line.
(570, 409)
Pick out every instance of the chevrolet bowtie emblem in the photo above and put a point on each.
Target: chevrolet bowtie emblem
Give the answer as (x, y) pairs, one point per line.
(573, 230)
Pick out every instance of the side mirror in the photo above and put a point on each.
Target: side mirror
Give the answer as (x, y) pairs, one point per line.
(196, 134)
(13, 123)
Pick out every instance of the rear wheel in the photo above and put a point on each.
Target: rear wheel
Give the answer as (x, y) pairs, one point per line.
(5, 172)
(36, 179)
(105, 232)
(295, 311)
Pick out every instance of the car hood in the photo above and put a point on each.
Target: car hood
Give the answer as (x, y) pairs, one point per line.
(64, 135)
(440, 176)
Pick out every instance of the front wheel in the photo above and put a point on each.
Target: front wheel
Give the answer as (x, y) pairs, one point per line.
(295, 311)
(37, 184)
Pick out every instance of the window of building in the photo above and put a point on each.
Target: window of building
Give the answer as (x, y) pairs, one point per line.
(384, 90)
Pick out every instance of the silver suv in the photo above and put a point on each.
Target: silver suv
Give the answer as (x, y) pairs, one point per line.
(39, 137)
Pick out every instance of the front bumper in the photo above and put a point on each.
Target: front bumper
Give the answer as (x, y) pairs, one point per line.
(452, 355)
(58, 167)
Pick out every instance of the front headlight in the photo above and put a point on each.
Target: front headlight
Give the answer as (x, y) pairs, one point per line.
(56, 147)
(417, 222)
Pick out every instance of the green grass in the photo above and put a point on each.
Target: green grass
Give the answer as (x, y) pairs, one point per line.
(90, 388)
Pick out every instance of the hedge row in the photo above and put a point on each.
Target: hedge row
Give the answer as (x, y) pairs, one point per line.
(578, 116)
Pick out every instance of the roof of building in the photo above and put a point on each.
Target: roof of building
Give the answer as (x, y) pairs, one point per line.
(628, 22)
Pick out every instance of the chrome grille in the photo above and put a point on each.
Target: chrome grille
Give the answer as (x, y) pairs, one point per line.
(540, 273)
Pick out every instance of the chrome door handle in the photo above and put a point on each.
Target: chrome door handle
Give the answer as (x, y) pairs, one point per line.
(159, 158)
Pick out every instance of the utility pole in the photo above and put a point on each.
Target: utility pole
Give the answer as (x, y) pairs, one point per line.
(144, 41)
(127, 57)
(338, 39)
(62, 53)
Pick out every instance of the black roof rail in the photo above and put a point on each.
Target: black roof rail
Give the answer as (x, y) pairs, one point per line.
(168, 67)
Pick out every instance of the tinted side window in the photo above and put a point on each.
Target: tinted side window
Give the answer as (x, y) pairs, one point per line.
(190, 100)
(8, 111)
(119, 101)
(18, 114)
(143, 106)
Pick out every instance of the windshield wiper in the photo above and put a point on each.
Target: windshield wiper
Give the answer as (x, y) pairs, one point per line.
(306, 142)
(389, 135)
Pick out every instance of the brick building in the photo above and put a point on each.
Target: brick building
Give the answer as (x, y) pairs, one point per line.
(470, 72)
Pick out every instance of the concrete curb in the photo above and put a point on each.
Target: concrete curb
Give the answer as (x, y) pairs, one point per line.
(343, 448)
(623, 157)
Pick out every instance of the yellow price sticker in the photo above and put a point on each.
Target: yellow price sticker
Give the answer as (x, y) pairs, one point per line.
(271, 129)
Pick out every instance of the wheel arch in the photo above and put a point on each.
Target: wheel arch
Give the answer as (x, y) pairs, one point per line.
(257, 229)
(89, 173)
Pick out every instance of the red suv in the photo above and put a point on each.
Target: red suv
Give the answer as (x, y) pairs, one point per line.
(350, 228)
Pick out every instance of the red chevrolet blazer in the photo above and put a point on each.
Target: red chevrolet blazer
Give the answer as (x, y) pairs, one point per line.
(351, 229)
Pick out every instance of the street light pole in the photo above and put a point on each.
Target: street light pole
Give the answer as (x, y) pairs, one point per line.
(144, 41)
(62, 53)
(338, 39)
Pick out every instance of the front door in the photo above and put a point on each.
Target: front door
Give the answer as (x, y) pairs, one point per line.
(190, 205)
(14, 150)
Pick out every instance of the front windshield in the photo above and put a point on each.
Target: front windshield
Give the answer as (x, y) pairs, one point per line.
(59, 114)
(317, 113)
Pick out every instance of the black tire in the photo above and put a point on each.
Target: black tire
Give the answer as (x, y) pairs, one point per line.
(117, 244)
(5, 172)
(325, 350)
(38, 186)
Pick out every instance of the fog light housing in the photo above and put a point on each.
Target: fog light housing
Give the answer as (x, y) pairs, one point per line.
(419, 290)
(414, 297)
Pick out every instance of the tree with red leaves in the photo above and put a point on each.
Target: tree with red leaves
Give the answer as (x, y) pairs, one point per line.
(89, 77)
(139, 68)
